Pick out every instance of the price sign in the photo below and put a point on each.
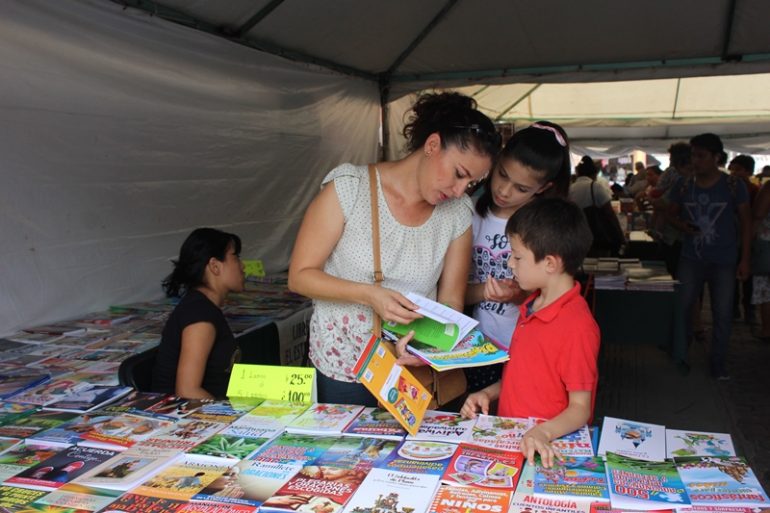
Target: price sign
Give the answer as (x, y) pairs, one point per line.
(253, 268)
(293, 384)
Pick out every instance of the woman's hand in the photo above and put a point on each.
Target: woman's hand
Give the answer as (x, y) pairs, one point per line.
(393, 306)
(404, 357)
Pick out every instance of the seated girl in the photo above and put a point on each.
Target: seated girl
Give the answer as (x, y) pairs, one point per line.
(197, 348)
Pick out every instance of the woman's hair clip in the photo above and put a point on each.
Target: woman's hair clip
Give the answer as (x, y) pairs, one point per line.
(493, 136)
(556, 133)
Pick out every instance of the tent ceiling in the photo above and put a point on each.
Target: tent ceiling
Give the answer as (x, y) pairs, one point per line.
(417, 45)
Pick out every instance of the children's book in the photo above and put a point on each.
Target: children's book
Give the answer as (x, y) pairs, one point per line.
(238, 441)
(461, 499)
(639, 440)
(278, 412)
(60, 468)
(89, 398)
(644, 485)
(475, 465)
(128, 469)
(578, 444)
(421, 457)
(377, 422)
(444, 426)
(473, 350)
(297, 447)
(525, 501)
(499, 432)
(213, 507)
(16, 381)
(572, 478)
(250, 482)
(183, 479)
(393, 385)
(11, 412)
(388, 491)
(22, 456)
(439, 326)
(698, 443)
(324, 419)
(721, 481)
(316, 489)
(124, 430)
(77, 497)
(29, 425)
(14, 499)
(357, 452)
(183, 434)
(134, 503)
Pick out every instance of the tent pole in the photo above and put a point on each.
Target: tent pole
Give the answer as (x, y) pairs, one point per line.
(259, 16)
(729, 34)
(521, 99)
(676, 98)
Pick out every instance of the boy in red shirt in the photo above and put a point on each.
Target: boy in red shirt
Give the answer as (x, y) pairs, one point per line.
(552, 372)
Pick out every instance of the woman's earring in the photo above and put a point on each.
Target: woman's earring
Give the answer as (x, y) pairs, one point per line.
(428, 153)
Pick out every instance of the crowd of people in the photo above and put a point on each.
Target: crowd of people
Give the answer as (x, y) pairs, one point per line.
(495, 229)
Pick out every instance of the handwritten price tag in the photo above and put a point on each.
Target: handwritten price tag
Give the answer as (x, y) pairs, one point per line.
(253, 268)
(293, 384)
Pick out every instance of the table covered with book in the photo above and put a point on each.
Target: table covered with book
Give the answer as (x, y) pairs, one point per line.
(149, 452)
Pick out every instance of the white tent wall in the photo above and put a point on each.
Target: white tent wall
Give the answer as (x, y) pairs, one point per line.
(122, 132)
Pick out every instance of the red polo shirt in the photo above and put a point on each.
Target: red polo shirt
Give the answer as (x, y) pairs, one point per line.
(553, 352)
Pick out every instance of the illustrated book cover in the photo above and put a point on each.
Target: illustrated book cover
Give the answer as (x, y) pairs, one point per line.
(681, 443)
(445, 427)
(499, 432)
(572, 478)
(377, 422)
(60, 468)
(388, 491)
(644, 485)
(721, 481)
(324, 418)
(475, 465)
(640, 440)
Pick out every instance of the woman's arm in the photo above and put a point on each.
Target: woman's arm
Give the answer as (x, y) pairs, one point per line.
(318, 235)
(197, 341)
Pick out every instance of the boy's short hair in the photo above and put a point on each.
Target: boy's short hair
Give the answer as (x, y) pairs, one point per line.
(553, 226)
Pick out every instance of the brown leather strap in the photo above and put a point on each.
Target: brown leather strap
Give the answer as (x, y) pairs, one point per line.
(378, 276)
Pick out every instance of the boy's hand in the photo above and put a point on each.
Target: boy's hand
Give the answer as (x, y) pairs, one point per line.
(537, 440)
(500, 290)
(474, 403)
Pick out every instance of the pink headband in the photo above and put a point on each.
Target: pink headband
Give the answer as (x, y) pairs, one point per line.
(556, 133)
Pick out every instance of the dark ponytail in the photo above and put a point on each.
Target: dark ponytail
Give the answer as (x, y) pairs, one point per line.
(199, 247)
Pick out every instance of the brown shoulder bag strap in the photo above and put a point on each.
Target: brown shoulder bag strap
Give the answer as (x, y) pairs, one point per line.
(378, 276)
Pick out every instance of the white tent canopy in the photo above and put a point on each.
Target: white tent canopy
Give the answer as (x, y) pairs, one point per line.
(124, 128)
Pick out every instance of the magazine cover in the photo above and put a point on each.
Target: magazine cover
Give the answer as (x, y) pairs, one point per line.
(11, 412)
(698, 443)
(572, 478)
(60, 468)
(462, 499)
(393, 385)
(387, 491)
(474, 350)
(35, 422)
(499, 432)
(421, 457)
(89, 398)
(13, 498)
(250, 482)
(377, 422)
(124, 430)
(357, 452)
(71, 432)
(324, 419)
(295, 447)
(474, 465)
(445, 427)
(721, 481)
(22, 456)
(15, 382)
(183, 435)
(212, 507)
(639, 440)
(239, 441)
(644, 485)
(280, 412)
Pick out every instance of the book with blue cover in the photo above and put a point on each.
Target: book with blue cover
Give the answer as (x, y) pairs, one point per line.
(572, 478)
(721, 481)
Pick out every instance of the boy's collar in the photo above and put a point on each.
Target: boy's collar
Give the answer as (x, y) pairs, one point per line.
(548, 313)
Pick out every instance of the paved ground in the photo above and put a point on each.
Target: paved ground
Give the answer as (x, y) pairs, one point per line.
(639, 382)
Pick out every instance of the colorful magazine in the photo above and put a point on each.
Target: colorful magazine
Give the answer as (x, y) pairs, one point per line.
(15, 382)
(134, 503)
(278, 412)
(295, 447)
(456, 499)
(475, 465)
(377, 422)
(324, 419)
(499, 432)
(640, 440)
(357, 452)
(78, 497)
(128, 469)
(89, 398)
(721, 481)
(474, 350)
(14, 499)
(239, 441)
(183, 435)
(29, 425)
(22, 456)
(681, 443)
(644, 485)
(578, 444)
(572, 478)
(421, 457)
(445, 427)
(393, 385)
(316, 489)
(124, 430)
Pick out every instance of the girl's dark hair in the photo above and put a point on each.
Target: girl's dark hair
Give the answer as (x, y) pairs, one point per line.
(196, 251)
(586, 167)
(537, 147)
(456, 119)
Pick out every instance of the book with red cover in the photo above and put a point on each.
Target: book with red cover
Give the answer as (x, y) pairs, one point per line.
(475, 465)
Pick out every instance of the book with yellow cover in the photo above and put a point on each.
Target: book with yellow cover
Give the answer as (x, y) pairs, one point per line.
(393, 385)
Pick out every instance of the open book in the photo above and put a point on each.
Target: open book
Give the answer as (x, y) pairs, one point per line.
(440, 326)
